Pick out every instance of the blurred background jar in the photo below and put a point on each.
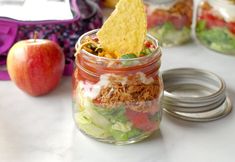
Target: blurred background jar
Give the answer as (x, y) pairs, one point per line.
(109, 3)
(215, 27)
(170, 20)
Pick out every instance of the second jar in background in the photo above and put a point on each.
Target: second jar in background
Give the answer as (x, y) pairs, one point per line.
(216, 25)
(170, 20)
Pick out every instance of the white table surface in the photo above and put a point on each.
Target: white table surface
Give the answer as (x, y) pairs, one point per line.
(41, 129)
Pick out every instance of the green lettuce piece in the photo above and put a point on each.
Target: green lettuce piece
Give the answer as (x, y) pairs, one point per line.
(129, 62)
(201, 26)
(85, 124)
(118, 135)
(167, 34)
(124, 136)
(103, 123)
(215, 35)
(120, 116)
(97, 119)
(91, 122)
(103, 115)
(146, 51)
(133, 133)
(123, 127)
(123, 131)
(114, 115)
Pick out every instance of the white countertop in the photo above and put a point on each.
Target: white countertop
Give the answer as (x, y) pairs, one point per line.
(41, 129)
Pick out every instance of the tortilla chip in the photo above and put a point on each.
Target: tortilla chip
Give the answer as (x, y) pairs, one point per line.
(124, 31)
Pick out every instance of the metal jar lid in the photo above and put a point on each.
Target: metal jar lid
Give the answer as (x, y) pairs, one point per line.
(195, 95)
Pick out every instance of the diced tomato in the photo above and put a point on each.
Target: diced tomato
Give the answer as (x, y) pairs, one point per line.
(140, 120)
(212, 20)
(231, 27)
(178, 21)
(157, 18)
(148, 44)
(216, 23)
(153, 21)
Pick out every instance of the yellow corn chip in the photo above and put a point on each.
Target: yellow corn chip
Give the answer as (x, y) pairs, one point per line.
(125, 30)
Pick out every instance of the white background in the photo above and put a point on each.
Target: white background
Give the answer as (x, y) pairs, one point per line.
(31, 10)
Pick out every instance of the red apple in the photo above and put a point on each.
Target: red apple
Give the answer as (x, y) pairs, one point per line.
(35, 65)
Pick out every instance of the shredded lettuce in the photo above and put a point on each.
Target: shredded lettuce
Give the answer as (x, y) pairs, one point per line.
(124, 136)
(97, 119)
(105, 123)
(85, 122)
(217, 38)
(118, 135)
(123, 127)
(114, 115)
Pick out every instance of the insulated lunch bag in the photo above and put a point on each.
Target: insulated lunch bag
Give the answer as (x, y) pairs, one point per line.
(86, 16)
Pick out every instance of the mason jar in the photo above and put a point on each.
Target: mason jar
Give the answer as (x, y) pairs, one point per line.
(117, 100)
(170, 20)
(215, 27)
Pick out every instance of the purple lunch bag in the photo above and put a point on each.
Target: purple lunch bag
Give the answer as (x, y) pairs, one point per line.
(87, 16)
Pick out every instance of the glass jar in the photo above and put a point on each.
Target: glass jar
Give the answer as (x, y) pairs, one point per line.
(170, 20)
(215, 26)
(117, 100)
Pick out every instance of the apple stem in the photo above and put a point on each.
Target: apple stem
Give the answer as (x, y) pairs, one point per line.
(35, 36)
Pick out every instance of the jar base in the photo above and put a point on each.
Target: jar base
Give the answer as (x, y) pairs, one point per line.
(113, 141)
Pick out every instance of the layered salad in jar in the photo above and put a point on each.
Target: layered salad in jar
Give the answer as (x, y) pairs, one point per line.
(170, 20)
(120, 106)
(116, 94)
(216, 25)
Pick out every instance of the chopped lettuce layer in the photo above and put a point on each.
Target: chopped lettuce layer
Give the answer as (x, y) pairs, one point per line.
(88, 124)
(105, 123)
(114, 115)
(168, 35)
(217, 38)
(124, 136)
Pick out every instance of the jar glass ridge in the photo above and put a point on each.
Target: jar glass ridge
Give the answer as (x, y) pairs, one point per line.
(117, 100)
